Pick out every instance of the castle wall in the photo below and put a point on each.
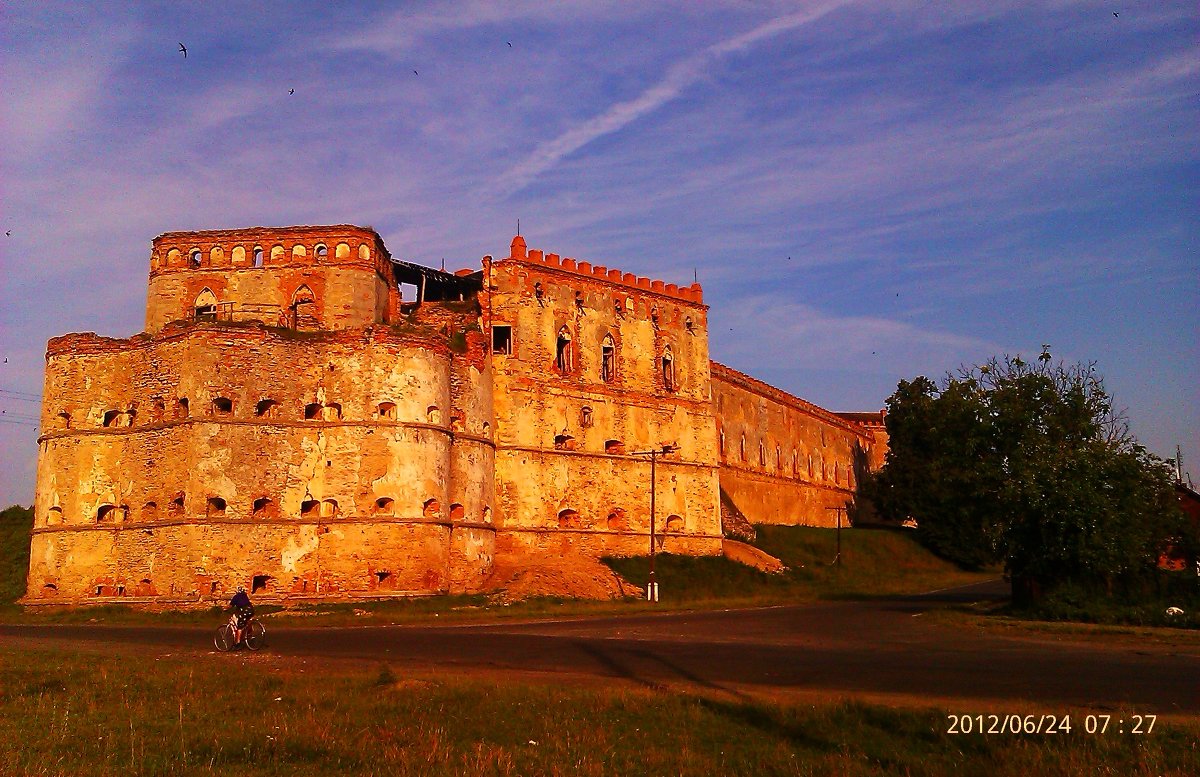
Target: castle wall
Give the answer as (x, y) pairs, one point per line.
(262, 274)
(318, 459)
(784, 460)
(567, 427)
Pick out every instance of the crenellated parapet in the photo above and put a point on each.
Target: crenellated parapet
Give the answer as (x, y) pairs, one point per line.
(520, 253)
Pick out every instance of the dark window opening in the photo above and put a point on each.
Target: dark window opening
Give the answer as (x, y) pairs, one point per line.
(564, 442)
(222, 405)
(259, 582)
(579, 302)
(64, 419)
(176, 507)
(387, 410)
(260, 505)
(106, 513)
(382, 575)
(431, 508)
(614, 447)
(608, 361)
(502, 341)
(50, 587)
(121, 590)
(568, 518)
(266, 408)
(689, 326)
(321, 251)
(181, 408)
(110, 417)
(309, 507)
(762, 455)
(385, 504)
(216, 507)
(563, 356)
(194, 257)
(312, 411)
(668, 371)
(258, 256)
(586, 418)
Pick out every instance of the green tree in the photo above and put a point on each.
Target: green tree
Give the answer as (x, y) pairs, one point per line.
(1029, 464)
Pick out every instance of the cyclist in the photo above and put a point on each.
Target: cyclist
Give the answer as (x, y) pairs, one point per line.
(243, 612)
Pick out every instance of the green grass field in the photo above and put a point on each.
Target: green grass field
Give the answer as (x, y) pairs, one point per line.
(875, 562)
(68, 713)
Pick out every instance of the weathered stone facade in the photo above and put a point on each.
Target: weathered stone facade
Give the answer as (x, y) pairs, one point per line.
(289, 421)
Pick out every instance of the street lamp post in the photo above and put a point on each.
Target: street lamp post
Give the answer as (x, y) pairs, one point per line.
(653, 453)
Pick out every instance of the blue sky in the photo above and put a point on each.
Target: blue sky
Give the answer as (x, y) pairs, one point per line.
(868, 191)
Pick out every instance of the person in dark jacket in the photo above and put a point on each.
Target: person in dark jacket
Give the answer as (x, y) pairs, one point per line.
(243, 611)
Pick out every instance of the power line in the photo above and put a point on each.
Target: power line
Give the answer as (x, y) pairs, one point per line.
(21, 395)
(18, 423)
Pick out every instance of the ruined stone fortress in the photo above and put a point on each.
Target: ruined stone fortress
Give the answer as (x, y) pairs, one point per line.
(307, 417)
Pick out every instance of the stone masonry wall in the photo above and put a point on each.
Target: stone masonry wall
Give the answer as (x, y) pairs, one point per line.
(784, 460)
(317, 461)
(567, 426)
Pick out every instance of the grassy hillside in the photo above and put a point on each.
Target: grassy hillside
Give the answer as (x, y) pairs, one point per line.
(875, 562)
(15, 525)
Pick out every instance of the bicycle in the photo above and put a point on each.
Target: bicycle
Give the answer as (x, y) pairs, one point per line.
(253, 635)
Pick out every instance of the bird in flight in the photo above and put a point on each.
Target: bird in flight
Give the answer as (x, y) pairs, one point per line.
(183, 49)
(1116, 15)
(291, 91)
(8, 233)
(509, 42)
(415, 73)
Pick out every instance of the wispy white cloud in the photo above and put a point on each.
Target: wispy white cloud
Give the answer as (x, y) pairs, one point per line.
(677, 78)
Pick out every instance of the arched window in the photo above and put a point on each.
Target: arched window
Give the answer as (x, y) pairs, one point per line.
(329, 508)
(564, 442)
(586, 418)
(262, 507)
(215, 507)
(387, 411)
(742, 448)
(568, 519)
(195, 258)
(762, 455)
(205, 306)
(614, 447)
(564, 357)
(222, 405)
(608, 360)
(321, 251)
(431, 508)
(303, 309)
(258, 256)
(385, 505)
(668, 369)
(674, 523)
(266, 408)
(457, 513)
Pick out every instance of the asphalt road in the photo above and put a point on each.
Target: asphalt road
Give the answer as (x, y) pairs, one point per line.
(875, 647)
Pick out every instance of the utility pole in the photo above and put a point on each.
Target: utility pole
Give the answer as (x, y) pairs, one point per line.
(839, 510)
(653, 453)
